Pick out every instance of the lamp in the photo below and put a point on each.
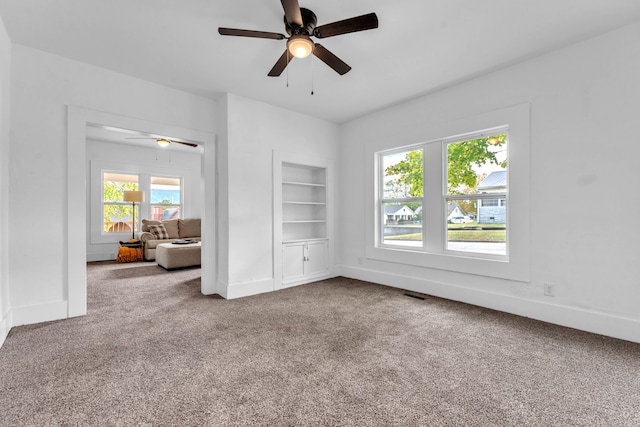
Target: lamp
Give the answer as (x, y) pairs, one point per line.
(133, 197)
(163, 142)
(300, 46)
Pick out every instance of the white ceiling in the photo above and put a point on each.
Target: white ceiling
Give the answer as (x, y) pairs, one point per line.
(420, 46)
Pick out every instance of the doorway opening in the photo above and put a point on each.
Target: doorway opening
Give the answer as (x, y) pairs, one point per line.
(83, 124)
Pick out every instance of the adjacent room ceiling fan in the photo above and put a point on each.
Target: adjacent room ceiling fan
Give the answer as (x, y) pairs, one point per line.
(300, 24)
(164, 142)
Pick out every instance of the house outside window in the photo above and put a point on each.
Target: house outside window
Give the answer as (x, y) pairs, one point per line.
(116, 213)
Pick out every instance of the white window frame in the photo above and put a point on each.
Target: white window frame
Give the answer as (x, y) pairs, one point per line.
(515, 266)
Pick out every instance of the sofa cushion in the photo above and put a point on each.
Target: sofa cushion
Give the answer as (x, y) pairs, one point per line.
(172, 228)
(189, 227)
(159, 231)
(171, 225)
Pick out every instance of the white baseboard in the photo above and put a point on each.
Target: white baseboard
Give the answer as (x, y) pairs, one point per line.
(5, 326)
(103, 256)
(46, 312)
(246, 289)
(577, 318)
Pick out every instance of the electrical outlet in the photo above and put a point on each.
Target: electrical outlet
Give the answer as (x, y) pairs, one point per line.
(549, 290)
(360, 260)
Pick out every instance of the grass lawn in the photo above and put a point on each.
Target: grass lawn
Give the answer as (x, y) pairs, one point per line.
(457, 232)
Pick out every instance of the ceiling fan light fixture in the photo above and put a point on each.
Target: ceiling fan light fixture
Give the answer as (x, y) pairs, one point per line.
(163, 142)
(300, 46)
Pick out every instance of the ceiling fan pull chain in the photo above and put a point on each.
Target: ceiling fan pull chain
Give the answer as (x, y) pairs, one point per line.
(312, 75)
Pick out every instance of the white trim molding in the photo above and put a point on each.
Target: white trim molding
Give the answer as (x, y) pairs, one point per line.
(239, 290)
(6, 323)
(37, 313)
(75, 245)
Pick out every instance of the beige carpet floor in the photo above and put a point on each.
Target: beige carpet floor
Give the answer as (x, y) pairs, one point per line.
(153, 351)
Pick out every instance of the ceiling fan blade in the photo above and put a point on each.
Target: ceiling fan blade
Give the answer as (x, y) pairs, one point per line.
(190, 144)
(330, 59)
(281, 64)
(292, 12)
(250, 33)
(351, 25)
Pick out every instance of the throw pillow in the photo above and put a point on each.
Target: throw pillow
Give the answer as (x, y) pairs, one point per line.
(189, 227)
(159, 231)
(146, 223)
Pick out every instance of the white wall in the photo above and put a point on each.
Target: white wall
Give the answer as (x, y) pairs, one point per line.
(152, 161)
(5, 66)
(584, 149)
(254, 130)
(43, 85)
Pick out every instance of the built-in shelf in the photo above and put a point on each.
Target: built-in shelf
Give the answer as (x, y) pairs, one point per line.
(304, 240)
(303, 203)
(301, 236)
(308, 184)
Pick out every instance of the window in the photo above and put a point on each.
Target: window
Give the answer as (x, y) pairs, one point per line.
(117, 215)
(401, 202)
(165, 198)
(476, 193)
(508, 254)
(473, 199)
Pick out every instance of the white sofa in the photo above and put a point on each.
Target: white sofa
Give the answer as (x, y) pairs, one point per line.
(173, 229)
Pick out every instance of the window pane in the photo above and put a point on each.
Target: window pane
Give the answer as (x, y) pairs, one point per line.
(468, 233)
(402, 224)
(161, 212)
(165, 198)
(477, 165)
(117, 218)
(402, 175)
(115, 184)
(117, 214)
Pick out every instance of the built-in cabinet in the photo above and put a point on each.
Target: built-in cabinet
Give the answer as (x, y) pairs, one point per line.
(304, 260)
(301, 219)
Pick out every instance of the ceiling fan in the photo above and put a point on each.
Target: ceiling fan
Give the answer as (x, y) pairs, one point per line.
(300, 24)
(164, 142)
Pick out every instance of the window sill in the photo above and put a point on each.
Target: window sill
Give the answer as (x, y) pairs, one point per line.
(458, 262)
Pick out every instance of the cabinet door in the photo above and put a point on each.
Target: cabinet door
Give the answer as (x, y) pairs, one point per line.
(292, 262)
(316, 258)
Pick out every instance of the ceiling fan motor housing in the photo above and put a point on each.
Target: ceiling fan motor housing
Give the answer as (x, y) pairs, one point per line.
(309, 22)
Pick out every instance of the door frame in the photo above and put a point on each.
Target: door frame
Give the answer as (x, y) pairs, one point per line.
(76, 227)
